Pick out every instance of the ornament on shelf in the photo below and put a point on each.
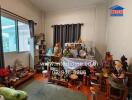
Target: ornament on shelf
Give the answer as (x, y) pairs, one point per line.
(57, 49)
(79, 40)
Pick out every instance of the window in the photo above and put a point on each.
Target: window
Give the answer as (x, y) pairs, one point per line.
(24, 37)
(8, 34)
(13, 38)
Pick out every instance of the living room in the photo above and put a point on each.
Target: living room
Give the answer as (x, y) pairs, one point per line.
(54, 50)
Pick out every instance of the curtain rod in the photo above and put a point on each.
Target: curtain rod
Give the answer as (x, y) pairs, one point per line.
(11, 13)
(68, 24)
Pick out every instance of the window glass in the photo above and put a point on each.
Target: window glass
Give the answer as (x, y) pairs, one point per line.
(9, 34)
(24, 37)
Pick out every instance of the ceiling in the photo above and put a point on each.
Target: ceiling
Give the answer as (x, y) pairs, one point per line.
(53, 5)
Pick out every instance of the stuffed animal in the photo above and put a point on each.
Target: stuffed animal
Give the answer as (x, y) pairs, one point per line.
(11, 94)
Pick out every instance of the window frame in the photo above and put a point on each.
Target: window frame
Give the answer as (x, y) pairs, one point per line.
(15, 33)
(18, 36)
(16, 30)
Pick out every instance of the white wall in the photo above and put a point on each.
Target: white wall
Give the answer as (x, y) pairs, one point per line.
(25, 9)
(11, 57)
(119, 31)
(100, 28)
(93, 17)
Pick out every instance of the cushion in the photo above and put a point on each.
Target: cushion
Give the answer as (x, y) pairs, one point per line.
(11, 94)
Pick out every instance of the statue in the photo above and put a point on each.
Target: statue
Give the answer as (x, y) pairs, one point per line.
(79, 40)
(107, 64)
(57, 49)
(124, 62)
(117, 75)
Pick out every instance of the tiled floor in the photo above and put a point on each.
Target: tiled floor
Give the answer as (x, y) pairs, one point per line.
(84, 89)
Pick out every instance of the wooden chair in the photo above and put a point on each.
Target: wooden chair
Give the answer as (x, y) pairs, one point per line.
(103, 86)
(122, 92)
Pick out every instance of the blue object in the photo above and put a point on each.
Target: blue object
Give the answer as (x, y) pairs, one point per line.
(49, 52)
(116, 10)
(1, 79)
(116, 7)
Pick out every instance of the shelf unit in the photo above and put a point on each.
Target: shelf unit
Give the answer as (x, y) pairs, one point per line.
(18, 76)
(40, 48)
(23, 79)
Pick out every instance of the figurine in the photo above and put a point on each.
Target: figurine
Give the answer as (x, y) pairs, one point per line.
(107, 64)
(108, 57)
(118, 71)
(79, 40)
(57, 49)
(73, 51)
(124, 62)
(92, 89)
(117, 76)
(67, 53)
(91, 52)
(82, 53)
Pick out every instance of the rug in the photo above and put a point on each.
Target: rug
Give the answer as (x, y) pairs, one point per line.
(41, 91)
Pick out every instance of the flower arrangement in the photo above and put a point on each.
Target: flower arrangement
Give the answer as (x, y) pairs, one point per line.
(4, 72)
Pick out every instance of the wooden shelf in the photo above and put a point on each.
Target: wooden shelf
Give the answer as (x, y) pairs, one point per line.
(18, 82)
(61, 82)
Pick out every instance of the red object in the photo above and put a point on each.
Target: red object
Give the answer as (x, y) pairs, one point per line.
(85, 79)
(4, 72)
(117, 11)
(92, 70)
